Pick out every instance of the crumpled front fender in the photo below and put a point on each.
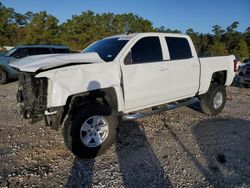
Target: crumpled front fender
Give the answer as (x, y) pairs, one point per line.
(72, 80)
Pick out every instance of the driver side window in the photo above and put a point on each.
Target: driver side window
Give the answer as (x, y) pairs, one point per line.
(22, 52)
(147, 50)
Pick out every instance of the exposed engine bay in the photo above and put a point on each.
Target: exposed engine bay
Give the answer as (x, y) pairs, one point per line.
(32, 95)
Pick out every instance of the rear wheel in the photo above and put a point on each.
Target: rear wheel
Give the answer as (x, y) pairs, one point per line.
(90, 130)
(3, 77)
(213, 102)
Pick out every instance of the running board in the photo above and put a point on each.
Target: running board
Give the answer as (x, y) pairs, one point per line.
(166, 107)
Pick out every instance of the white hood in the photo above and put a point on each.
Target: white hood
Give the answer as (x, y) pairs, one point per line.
(42, 62)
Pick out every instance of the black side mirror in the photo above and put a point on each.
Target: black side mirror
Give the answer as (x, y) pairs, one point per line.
(128, 59)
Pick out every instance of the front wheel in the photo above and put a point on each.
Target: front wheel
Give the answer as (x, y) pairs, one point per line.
(90, 130)
(213, 102)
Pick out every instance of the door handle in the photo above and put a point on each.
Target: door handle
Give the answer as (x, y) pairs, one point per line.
(163, 68)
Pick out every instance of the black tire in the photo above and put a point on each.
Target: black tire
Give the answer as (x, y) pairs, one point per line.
(207, 100)
(74, 122)
(3, 77)
(245, 85)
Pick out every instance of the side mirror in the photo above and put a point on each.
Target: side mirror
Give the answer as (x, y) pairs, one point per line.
(128, 59)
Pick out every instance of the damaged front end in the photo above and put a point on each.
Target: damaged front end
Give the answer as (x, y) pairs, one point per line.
(32, 96)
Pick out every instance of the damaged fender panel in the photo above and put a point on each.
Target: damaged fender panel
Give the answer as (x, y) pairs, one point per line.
(67, 81)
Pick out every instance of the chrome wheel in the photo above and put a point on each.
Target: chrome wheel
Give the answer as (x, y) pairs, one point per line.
(94, 131)
(218, 100)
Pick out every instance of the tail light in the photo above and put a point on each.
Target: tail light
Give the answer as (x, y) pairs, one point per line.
(235, 65)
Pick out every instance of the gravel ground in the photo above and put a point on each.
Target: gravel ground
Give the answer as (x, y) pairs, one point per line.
(179, 148)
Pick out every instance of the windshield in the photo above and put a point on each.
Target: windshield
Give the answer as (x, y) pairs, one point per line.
(10, 52)
(107, 49)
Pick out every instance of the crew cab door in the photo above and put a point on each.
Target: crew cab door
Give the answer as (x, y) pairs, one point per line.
(144, 74)
(183, 68)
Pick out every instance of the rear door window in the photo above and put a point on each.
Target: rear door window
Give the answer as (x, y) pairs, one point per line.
(179, 48)
(33, 51)
(44, 51)
(39, 51)
(147, 50)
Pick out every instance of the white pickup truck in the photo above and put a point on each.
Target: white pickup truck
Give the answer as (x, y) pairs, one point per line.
(119, 76)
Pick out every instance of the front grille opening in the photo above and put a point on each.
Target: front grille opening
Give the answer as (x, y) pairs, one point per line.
(33, 93)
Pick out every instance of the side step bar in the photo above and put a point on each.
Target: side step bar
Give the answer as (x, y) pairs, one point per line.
(166, 107)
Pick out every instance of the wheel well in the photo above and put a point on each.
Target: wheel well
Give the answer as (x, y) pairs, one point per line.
(4, 71)
(106, 96)
(219, 77)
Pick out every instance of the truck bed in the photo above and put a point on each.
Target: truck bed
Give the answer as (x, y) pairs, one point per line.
(210, 65)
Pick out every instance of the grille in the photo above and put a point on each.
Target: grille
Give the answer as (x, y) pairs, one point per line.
(32, 93)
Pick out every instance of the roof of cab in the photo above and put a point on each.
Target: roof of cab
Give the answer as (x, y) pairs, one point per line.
(42, 46)
(131, 35)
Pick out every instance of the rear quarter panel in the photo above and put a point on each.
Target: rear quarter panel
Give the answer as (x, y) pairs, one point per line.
(210, 65)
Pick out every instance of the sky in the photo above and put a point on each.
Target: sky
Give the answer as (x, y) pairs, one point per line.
(200, 15)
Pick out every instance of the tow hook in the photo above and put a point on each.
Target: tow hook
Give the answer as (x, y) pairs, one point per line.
(27, 114)
(47, 113)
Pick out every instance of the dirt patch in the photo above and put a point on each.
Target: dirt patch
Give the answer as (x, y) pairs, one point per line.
(179, 148)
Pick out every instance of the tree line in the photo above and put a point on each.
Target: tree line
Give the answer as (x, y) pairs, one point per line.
(81, 30)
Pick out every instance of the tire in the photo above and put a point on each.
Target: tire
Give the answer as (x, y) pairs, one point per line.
(77, 130)
(213, 102)
(245, 85)
(3, 77)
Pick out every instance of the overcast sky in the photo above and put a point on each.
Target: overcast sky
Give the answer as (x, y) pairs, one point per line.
(200, 15)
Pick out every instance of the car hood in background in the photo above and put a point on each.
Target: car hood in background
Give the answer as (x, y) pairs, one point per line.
(6, 59)
(43, 62)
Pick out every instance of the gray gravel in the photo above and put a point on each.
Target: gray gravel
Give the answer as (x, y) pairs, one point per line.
(179, 148)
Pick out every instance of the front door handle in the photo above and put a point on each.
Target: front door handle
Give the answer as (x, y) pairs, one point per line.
(163, 69)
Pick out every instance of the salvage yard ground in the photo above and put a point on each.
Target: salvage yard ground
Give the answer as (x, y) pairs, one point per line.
(179, 148)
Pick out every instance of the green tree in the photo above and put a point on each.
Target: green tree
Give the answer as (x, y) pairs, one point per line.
(217, 30)
(217, 48)
(7, 25)
(218, 33)
(231, 37)
(232, 28)
(79, 31)
(42, 29)
(163, 29)
(200, 41)
(246, 36)
(241, 50)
